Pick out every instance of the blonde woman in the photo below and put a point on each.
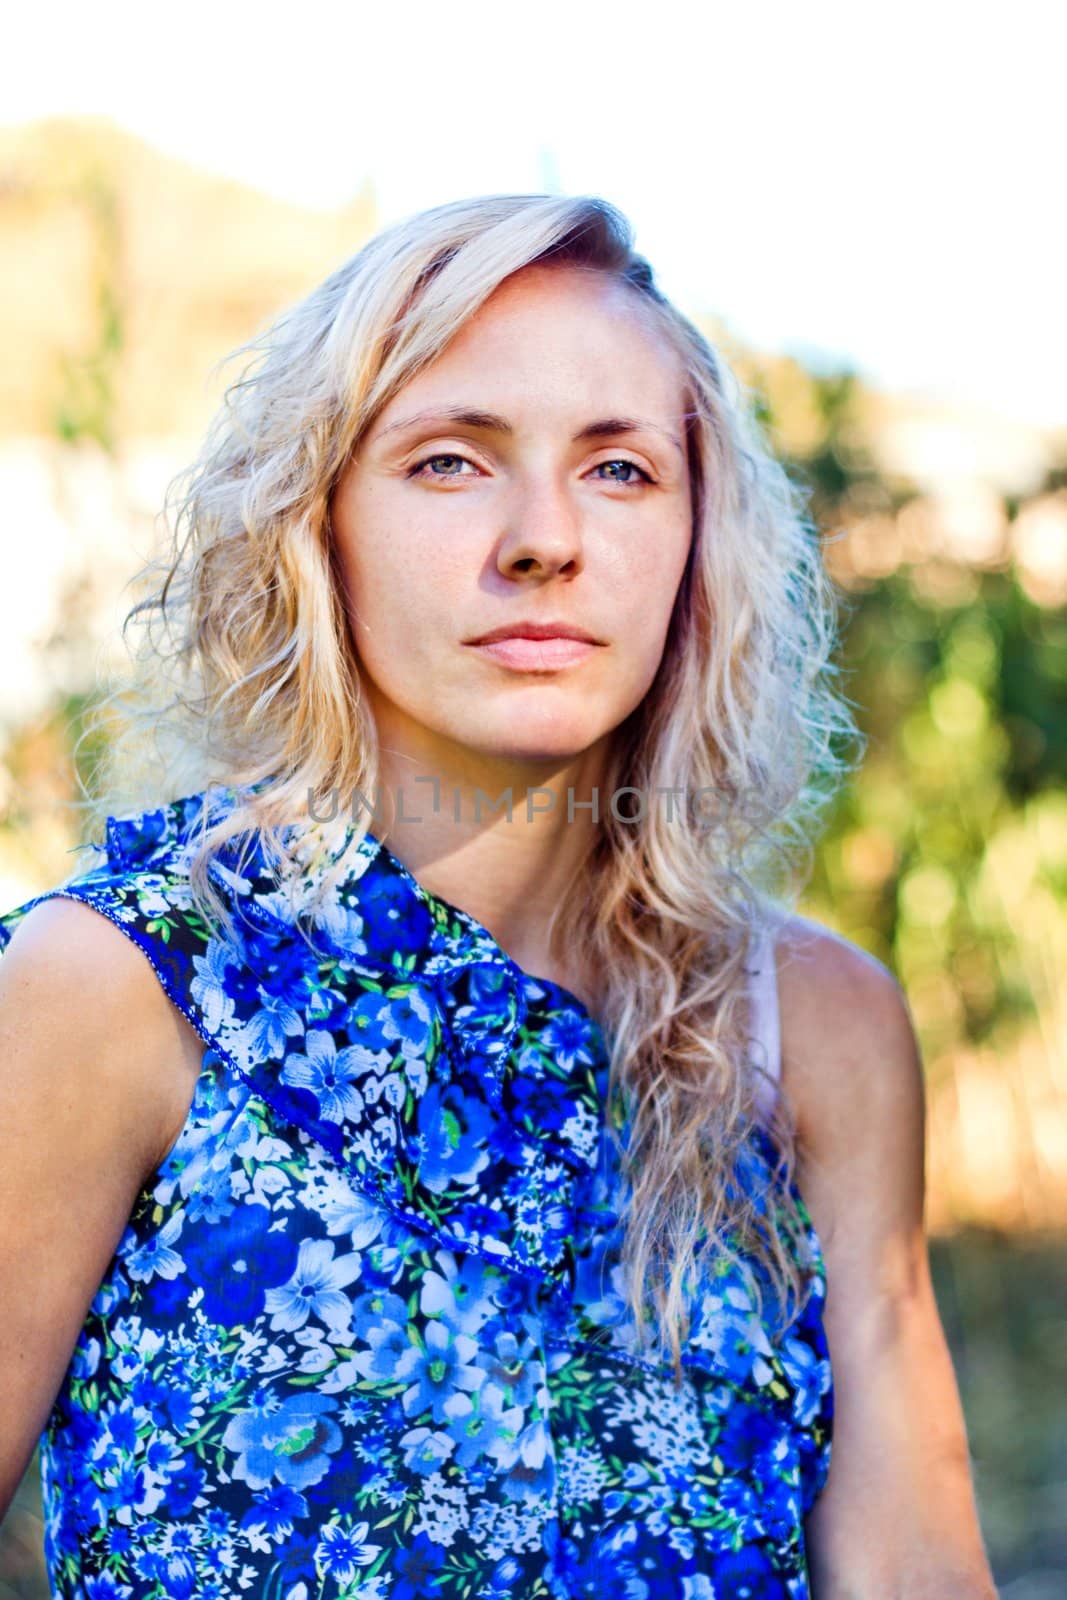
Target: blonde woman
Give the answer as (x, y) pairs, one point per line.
(436, 1160)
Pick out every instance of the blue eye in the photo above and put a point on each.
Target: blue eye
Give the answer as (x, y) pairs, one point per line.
(450, 455)
(623, 461)
(445, 456)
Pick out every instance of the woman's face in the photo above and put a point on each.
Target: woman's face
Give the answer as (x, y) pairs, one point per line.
(560, 496)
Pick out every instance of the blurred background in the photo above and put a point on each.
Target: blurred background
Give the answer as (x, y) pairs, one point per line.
(857, 206)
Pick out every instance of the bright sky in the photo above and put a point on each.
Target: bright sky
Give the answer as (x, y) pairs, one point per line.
(873, 182)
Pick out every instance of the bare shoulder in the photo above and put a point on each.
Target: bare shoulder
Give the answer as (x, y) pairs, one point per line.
(83, 1013)
(63, 934)
(852, 1072)
(848, 1044)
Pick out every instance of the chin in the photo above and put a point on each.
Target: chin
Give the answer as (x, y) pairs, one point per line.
(531, 733)
(519, 745)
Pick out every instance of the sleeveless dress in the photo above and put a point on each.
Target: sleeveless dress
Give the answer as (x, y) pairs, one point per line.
(365, 1331)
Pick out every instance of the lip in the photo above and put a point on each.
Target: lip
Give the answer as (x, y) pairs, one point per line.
(536, 646)
(537, 655)
(534, 630)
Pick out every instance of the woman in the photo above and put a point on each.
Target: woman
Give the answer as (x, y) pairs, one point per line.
(420, 1218)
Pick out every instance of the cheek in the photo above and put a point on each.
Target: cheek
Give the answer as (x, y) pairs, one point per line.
(646, 574)
(401, 582)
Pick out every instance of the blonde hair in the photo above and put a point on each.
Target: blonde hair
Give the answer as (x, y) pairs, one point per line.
(247, 651)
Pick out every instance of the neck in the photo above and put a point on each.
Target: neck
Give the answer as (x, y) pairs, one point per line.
(443, 811)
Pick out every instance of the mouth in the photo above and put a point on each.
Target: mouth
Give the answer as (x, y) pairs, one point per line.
(523, 654)
(536, 646)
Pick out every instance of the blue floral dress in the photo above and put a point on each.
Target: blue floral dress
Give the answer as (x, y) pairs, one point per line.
(364, 1333)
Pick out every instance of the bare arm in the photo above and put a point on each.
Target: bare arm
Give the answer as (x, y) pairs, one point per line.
(897, 1518)
(97, 1069)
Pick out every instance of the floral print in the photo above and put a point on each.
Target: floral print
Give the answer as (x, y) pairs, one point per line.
(365, 1332)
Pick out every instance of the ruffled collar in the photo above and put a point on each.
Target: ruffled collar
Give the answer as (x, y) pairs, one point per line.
(486, 1136)
(379, 920)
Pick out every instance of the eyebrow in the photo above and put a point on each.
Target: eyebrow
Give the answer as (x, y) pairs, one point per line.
(490, 422)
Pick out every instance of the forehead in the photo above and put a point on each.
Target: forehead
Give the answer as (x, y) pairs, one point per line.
(573, 329)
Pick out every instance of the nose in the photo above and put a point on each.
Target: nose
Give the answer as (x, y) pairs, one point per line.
(542, 534)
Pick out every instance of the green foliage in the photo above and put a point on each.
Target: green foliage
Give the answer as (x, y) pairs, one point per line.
(953, 832)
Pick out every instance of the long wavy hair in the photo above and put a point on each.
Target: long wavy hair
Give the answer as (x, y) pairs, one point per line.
(245, 675)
